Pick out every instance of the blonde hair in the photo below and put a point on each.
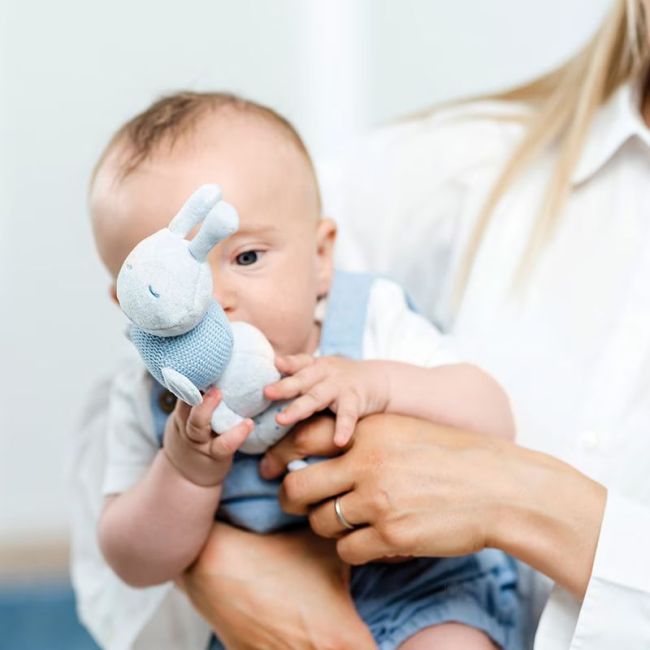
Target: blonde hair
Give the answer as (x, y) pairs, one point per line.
(563, 104)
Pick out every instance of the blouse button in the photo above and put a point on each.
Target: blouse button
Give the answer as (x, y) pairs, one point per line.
(167, 401)
(590, 440)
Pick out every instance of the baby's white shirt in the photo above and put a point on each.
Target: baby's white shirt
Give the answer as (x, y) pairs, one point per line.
(118, 444)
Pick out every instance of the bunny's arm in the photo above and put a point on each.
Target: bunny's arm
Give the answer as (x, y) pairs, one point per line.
(182, 387)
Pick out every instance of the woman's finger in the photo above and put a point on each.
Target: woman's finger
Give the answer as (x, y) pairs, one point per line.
(363, 545)
(325, 522)
(225, 445)
(313, 437)
(305, 487)
(198, 428)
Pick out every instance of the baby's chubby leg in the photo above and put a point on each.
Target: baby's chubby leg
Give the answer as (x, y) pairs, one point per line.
(449, 636)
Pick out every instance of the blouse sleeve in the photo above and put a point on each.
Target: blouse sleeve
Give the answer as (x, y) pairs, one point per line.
(405, 198)
(113, 612)
(118, 616)
(615, 612)
(130, 438)
(395, 332)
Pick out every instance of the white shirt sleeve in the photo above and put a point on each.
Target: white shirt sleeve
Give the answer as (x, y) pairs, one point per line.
(394, 331)
(616, 610)
(119, 617)
(131, 443)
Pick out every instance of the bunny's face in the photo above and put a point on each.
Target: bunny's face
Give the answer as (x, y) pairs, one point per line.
(162, 288)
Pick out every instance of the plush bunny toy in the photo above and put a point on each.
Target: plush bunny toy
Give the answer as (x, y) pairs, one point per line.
(183, 335)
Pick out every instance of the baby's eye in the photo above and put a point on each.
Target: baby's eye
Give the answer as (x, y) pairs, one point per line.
(247, 258)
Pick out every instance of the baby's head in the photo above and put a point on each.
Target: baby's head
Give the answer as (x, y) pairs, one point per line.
(273, 270)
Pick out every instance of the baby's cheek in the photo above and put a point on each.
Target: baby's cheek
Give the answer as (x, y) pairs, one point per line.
(290, 329)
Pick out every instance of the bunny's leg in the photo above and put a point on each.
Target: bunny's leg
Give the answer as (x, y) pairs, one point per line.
(224, 418)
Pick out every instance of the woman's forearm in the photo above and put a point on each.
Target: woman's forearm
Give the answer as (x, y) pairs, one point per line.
(459, 395)
(550, 517)
(152, 532)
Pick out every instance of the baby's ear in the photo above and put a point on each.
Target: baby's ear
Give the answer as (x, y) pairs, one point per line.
(325, 240)
(112, 290)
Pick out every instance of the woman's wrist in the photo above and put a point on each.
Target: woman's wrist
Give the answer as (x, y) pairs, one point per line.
(549, 516)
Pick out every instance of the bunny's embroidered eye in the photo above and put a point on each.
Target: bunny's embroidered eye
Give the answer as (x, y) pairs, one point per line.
(152, 291)
(247, 258)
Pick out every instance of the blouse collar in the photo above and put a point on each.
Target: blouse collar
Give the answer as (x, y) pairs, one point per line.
(615, 122)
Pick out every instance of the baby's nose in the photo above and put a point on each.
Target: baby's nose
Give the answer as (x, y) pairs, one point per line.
(225, 297)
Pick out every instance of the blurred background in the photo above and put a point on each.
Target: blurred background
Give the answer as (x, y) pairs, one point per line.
(70, 73)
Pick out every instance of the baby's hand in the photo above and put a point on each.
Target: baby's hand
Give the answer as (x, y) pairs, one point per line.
(192, 447)
(352, 389)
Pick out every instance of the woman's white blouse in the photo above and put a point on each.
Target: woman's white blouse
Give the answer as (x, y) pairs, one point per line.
(572, 349)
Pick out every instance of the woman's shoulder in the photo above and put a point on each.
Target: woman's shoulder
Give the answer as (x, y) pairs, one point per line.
(429, 149)
(461, 134)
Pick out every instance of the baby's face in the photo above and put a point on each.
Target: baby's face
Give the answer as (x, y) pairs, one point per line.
(273, 270)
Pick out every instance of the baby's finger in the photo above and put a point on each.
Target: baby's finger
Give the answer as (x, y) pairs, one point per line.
(198, 428)
(295, 385)
(347, 414)
(319, 397)
(224, 446)
(293, 363)
(182, 411)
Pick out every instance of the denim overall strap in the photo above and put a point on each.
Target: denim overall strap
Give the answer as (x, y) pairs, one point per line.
(156, 396)
(345, 319)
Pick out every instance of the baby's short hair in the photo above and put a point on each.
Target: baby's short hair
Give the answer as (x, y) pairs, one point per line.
(173, 116)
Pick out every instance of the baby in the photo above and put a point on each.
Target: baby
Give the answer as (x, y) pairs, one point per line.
(347, 342)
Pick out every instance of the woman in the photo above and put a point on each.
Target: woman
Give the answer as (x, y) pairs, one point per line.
(520, 223)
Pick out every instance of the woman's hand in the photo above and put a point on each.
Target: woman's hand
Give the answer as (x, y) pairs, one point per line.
(313, 437)
(286, 590)
(415, 488)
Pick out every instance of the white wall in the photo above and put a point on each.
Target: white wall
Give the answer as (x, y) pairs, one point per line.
(72, 71)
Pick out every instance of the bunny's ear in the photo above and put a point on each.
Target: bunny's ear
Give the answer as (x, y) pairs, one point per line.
(195, 210)
(222, 222)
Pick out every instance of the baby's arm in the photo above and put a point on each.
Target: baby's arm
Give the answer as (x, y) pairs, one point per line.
(153, 531)
(459, 395)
